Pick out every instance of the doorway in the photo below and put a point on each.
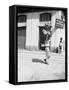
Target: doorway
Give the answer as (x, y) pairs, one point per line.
(41, 38)
(21, 37)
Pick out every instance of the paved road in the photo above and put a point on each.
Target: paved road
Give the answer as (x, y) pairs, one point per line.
(31, 66)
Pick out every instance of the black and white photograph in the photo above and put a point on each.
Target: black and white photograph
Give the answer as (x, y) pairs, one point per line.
(41, 44)
(39, 49)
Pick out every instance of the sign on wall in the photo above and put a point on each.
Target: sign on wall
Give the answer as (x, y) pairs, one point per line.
(59, 23)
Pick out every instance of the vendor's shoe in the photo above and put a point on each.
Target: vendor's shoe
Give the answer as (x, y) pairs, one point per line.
(45, 61)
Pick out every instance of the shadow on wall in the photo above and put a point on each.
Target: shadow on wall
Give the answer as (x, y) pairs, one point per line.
(54, 49)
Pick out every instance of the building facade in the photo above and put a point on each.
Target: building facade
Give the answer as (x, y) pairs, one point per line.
(30, 27)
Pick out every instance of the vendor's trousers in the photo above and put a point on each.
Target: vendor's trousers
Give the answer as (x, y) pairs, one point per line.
(47, 52)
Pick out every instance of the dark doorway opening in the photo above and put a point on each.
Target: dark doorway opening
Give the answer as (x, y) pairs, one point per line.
(41, 38)
(21, 37)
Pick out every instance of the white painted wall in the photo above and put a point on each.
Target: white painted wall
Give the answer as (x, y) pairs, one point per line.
(28, 31)
(32, 30)
(58, 32)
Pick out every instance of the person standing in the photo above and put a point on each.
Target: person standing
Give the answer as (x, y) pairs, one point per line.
(61, 45)
(47, 45)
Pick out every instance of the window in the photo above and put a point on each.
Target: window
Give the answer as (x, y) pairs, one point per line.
(22, 18)
(45, 17)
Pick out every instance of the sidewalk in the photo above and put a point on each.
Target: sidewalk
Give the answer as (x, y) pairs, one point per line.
(34, 71)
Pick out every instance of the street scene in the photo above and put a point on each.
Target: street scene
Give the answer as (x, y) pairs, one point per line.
(41, 45)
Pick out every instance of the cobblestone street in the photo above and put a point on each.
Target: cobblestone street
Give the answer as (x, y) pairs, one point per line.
(31, 66)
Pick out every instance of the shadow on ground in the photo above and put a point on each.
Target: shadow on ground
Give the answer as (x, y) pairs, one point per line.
(35, 60)
(60, 75)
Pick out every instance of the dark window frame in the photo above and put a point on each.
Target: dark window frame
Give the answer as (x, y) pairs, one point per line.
(45, 17)
(21, 17)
